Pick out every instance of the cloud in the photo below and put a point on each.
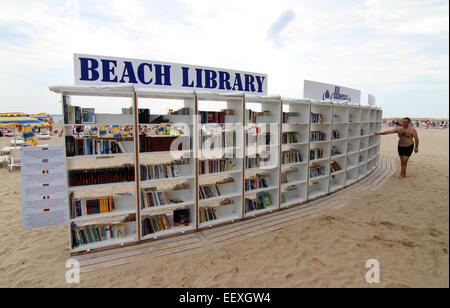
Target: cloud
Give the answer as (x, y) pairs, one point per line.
(274, 33)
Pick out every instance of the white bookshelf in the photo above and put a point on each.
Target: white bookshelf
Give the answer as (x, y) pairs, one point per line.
(215, 146)
(294, 177)
(319, 184)
(171, 116)
(98, 137)
(262, 131)
(350, 142)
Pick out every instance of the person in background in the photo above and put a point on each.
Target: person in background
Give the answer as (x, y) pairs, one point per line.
(407, 144)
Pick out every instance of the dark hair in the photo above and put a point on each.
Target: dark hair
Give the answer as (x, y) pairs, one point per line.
(409, 119)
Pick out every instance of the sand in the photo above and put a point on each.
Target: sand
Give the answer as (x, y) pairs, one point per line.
(404, 225)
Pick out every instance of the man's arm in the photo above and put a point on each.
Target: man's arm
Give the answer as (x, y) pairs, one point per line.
(388, 132)
(416, 141)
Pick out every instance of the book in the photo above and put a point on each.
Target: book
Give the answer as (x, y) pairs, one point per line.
(336, 135)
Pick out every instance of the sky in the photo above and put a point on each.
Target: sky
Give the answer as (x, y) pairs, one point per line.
(396, 50)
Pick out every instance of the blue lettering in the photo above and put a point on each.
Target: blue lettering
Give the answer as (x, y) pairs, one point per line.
(186, 83)
(128, 72)
(260, 82)
(224, 81)
(160, 75)
(199, 72)
(109, 68)
(249, 83)
(210, 79)
(237, 83)
(88, 69)
(141, 73)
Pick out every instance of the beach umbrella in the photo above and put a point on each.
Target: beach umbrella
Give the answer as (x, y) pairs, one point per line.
(13, 114)
(41, 116)
(20, 121)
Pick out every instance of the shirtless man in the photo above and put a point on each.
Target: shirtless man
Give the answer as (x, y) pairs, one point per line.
(408, 142)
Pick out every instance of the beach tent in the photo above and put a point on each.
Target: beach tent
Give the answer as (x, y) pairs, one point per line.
(20, 121)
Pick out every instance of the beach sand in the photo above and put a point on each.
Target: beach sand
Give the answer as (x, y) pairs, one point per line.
(404, 225)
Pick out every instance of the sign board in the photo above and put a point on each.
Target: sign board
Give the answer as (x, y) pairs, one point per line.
(44, 187)
(372, 100)
(100, 70)
(329, 92)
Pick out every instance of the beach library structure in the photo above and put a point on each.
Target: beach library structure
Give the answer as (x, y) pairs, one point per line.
(146, 163)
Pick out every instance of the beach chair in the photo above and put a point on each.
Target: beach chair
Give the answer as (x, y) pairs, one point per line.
(15, 159)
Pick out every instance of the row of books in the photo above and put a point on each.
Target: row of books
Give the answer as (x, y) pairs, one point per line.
(262, 201)
(163, 143)
(81, 207)
(287, 115)
(89, 146)
(289, 137)
(260, 139)
(157, 198)
(288, 175)
(316, 118)
(164, 171)
(207, 214)
(212, 190)
(316, 153)
(335, 167)
(96, 233)
(318, 136)
(252, 116)
(216, 166)
(99, 176)
(156, 223)
(217, 139)
(336, 135)
(256, 182)
(316, 170)
(291, 157)
(207, 117)
(255, 162)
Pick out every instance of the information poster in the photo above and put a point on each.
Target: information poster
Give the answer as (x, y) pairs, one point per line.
(44, 187)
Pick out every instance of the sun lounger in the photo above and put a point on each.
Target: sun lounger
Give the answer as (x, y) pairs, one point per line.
(15, 159)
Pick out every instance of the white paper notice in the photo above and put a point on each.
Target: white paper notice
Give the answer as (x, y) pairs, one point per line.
(44, 187)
